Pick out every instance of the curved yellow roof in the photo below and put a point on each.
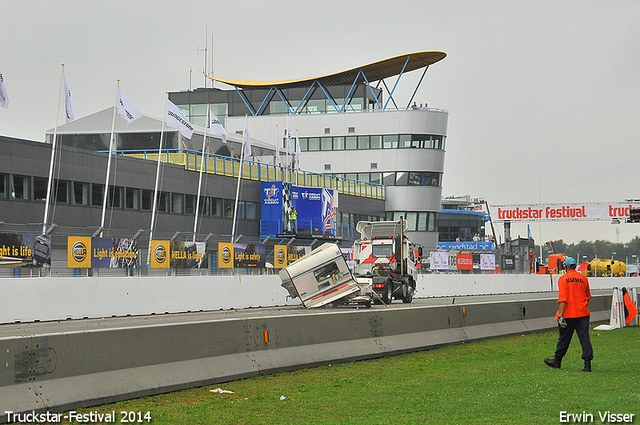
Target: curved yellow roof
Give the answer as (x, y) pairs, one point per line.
(373, 71)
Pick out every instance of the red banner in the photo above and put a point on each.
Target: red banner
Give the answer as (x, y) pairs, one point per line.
(464, 261)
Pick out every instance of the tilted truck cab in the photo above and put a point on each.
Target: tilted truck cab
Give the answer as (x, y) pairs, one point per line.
(385, 259)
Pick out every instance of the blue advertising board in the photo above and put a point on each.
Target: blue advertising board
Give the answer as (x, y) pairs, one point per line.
(289, 209)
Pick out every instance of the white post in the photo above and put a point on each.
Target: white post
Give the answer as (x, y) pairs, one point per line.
(155, 192)
(202, 164)
(53, 153)
(111, 143)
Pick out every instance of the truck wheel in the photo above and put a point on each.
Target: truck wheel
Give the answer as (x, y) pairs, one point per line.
(388, 292)
(409, 297)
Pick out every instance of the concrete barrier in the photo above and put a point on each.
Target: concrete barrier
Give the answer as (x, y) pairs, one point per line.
(46, 298)
(60, 370)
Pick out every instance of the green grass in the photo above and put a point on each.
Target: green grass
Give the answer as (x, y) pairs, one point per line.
(499, 381)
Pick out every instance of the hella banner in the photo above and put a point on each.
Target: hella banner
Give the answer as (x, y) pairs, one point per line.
(562, 212)
(86, 252)
(17, 250)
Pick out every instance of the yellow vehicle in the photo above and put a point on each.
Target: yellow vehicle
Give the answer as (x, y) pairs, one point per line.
(606, 268)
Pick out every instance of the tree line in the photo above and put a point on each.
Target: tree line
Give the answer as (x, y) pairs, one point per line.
(592, 249)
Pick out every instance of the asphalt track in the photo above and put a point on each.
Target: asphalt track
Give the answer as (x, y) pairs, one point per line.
(60, 326)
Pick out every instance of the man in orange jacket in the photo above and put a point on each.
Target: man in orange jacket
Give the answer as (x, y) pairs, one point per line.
(573, 314)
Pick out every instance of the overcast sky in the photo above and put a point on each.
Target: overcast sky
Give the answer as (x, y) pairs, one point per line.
(543, 96)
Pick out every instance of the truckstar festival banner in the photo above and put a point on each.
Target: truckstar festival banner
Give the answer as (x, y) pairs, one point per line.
(561, 212)
(314, 209)
(17, 250)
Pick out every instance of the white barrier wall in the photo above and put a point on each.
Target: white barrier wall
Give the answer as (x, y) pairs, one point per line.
(46, 298)
(444, 285)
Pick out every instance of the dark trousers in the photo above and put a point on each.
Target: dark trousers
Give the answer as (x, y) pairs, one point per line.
(581, 326)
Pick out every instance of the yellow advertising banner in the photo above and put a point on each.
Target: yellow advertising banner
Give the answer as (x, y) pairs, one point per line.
(78, 252)
(225, 255)
(280, 256)
(160, 258)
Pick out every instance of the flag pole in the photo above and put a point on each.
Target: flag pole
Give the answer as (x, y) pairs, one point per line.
(111, 143)
(277, 164)
(202, 164)
(155, 192)
(297, 151)
(53, 153)
(235, 208)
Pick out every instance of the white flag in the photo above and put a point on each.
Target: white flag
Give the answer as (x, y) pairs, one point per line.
(176, 119)
(247, 141)
(68, 103)
(277, 147)
(297, 150)
(289, 151)
(127, 109)
(215, 127)
(4, 98)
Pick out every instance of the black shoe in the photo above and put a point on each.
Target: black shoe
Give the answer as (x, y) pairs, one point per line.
(587, 366)
(554, 363)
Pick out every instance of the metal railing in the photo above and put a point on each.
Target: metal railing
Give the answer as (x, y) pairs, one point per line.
(254, 170)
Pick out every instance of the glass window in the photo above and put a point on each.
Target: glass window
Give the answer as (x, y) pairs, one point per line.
(432, 222)
(382, 251)
(363, 177)
(325, 144)
(402, 178)
(405, 141)
(177, 203)
(430, 179)
(216, 207)
(412, 221)
(132, 198)
(397, 215)
(304, 144)
(204, 206)
(436, 142)
(163, 202)
(363, 142)
(415, 179)
(352, 176)
(21, 187)
(63, 193)
(147, 199)
(252, 211)
(422, 222)
(351, 142)
(314, 143)
(80, 193)
(240, 214)
(97, 194)
(3, 185)
(190, 204)
(115, 197)
(228, 208)
(338, 143)
(389, 179)
(376, 178)
(376, 142)
(390, 141)
(40, 188)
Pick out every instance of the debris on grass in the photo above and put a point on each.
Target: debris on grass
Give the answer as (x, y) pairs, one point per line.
(221, 391)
